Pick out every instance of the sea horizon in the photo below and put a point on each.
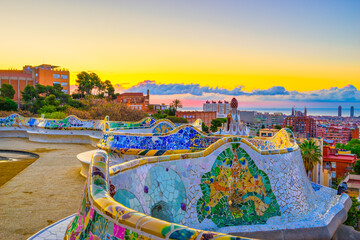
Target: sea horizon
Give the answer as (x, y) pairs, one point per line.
(287, 111)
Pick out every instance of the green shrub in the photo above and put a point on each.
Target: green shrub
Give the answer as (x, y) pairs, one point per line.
(75, 103)
(175, 119)
(7, 104)
(216, 123)
(48, 109)
(205, 128)
(353, 216)
(55, 115)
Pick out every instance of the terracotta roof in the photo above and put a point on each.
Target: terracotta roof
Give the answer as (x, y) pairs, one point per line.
(340, 158)
(132, 94)
(14, 73)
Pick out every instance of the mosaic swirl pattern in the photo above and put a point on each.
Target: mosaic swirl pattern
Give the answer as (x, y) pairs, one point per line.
(236, 192)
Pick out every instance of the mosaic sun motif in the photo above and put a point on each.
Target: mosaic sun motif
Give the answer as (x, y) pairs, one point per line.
(162, 128)
(236, 192)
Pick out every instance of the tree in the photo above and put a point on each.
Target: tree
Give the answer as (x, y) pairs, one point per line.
(216, 123)
(7, 104)
(51, 100)
(170, 111)
(311, 154)
(357, 167)
(85, 84)
(336, 182)
(204, 127)
(109, 89)
(7, 91)
(353, 145)
(262, 126)
(290, 127)
(353, 214)
(277, 127)
(29, 94)
(176, 104)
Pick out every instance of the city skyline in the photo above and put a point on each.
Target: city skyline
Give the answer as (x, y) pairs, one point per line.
(264, 53)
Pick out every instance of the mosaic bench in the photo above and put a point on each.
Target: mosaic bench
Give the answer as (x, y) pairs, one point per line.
(235, 188)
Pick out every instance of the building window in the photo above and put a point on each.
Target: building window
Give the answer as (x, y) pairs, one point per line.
(36, 74)
(56, 75)
(64, 91)
(333, 174)
(64, 84)
(64, 77)
(333, 164)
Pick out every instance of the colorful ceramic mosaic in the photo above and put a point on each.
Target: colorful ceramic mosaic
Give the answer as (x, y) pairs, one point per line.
(115, 221)
(283, 139)
(71, 123)
(236, 192)
(14, 120)
(226, 185)
(185, 137)
(231, 186)
(144, 123)
(162, 128)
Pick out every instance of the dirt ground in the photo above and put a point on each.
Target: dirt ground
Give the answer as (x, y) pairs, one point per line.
(46, 191)
(9, 170)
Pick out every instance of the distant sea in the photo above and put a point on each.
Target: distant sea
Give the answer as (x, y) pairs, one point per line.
(287, 111)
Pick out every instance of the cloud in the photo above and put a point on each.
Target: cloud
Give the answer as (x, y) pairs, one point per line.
(348, 93)
(277, 90)
(197, 90)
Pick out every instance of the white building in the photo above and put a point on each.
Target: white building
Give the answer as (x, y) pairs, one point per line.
(222, 108)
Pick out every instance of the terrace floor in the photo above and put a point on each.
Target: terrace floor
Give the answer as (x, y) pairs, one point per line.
(43, 193)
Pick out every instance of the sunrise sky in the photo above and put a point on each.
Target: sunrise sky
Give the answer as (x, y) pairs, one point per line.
(260, 51)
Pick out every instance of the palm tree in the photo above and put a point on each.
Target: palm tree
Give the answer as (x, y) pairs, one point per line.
(311, 154)
(176, 104)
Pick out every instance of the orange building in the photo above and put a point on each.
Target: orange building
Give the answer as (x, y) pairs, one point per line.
(44, 74)
(135, 100)
(192, 116)
(49, 75)
(336, 162)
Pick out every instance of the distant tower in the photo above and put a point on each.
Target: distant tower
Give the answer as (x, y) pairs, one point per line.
(305, 112)
(293, 111)
(234, 105)
(339, 111)
(352, 111)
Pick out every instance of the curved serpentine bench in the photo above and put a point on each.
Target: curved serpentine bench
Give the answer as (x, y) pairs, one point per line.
(235, 187)
(74, 130)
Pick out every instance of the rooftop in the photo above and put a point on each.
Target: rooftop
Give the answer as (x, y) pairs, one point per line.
(132, 94)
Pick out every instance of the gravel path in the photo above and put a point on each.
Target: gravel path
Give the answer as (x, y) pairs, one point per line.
(48, 190)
